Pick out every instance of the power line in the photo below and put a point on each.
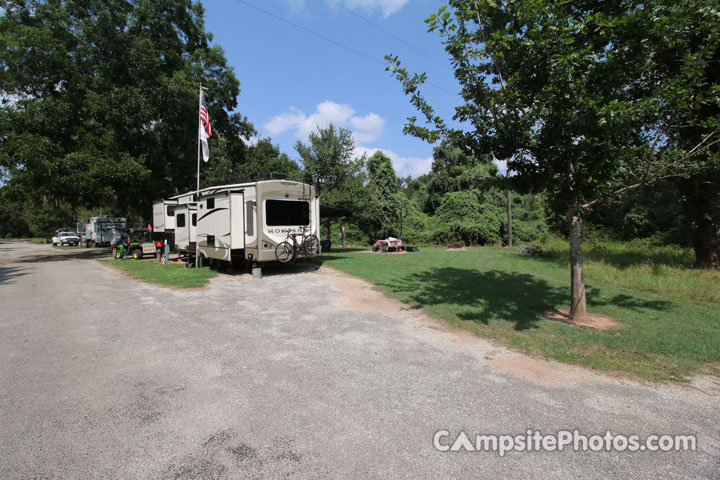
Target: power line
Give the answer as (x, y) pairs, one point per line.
(334, 42)
(307, 30)
(387, 32)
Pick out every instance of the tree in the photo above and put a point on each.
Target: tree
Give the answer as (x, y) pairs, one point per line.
(329, 163)
(379, 217)
(249, 163)
(99, 100)
(685, 47)
(556, 88)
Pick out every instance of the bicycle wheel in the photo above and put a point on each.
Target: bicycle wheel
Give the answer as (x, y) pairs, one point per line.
(311, 244)
(284, 252)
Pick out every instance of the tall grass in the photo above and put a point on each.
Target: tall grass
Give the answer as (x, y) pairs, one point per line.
(665, 270)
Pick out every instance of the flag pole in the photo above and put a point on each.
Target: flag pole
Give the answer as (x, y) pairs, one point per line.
(197, 190)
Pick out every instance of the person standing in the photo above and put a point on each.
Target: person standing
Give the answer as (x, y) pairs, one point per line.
(342, 235)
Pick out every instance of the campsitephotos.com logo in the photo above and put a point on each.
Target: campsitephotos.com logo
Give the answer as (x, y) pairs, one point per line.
(536, 441)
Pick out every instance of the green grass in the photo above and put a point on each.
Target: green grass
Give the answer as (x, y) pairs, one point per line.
(36, 240)
(662, 270)
(174, 274)
(670, 331)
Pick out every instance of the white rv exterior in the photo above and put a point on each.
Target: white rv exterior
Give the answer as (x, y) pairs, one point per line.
(164, 211)
(246, 221)
(101, 230)
(185, 227)
(164, 215)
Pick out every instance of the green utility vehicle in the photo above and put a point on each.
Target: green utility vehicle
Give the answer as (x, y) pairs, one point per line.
(135, 242)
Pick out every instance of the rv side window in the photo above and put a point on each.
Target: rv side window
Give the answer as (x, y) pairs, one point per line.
(249, 218)
(211, 240)
(194, 219)
(170, 211)
(286, 213)
(210, 203)
(180, 221)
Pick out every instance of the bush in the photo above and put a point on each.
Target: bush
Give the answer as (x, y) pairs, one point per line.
(461, 217)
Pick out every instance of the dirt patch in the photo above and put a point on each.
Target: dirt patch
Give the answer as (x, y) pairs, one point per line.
(589, 320)
(707, 384)
(542, 371)
(358, 295)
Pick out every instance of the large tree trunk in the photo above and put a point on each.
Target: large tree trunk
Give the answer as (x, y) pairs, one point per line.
(698, 207)
(577, 280)
(706, 243)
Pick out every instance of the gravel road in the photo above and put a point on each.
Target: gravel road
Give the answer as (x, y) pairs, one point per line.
(307, 373)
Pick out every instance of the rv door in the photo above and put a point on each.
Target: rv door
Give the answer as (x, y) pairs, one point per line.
(159, 216)
(237, 221)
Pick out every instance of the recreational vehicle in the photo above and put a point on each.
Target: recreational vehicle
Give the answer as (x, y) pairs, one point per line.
(185, 227)
(100, 230)
(246, 221)
(164, 211)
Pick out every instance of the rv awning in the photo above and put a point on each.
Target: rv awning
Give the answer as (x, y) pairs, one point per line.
(327, 211)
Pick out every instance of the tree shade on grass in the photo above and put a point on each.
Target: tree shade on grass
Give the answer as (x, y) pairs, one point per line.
(498, 293)
(577, 96)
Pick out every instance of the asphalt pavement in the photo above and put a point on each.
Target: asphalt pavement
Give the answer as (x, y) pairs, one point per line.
(305, 373)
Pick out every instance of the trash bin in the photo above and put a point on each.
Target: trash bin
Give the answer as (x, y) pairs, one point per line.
(325, 246)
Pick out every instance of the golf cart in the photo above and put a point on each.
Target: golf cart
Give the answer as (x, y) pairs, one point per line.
(136, 242)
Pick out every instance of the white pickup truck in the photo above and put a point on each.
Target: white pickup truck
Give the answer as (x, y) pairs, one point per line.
(65, 238)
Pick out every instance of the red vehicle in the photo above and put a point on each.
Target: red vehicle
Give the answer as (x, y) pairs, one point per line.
(389, 244)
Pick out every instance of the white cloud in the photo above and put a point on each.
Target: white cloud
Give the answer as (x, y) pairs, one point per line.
(368, 128)
(404, 166)
(388, 7)
(295, 5)
(365, 129)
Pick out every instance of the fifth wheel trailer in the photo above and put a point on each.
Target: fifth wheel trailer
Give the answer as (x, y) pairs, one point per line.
(164, 211)
(246, 221)
(185, 227)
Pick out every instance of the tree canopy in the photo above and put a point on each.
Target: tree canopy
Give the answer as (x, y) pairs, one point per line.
(577, 96)
(99, 100)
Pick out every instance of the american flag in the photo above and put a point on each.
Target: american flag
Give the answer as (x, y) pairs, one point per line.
(204, 130)
(204, 117)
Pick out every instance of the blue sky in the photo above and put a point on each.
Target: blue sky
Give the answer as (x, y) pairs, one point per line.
(293, 81)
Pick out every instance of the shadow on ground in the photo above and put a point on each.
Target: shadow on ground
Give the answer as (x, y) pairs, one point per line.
(496, 295)
(62, 255)
(7, 274)
(272, 269)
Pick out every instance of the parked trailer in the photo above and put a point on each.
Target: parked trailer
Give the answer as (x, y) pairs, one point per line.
(246, 221)
(185, 227)
(100, 230)
(164, 212)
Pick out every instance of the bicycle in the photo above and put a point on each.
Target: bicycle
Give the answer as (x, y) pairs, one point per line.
(287, 250)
